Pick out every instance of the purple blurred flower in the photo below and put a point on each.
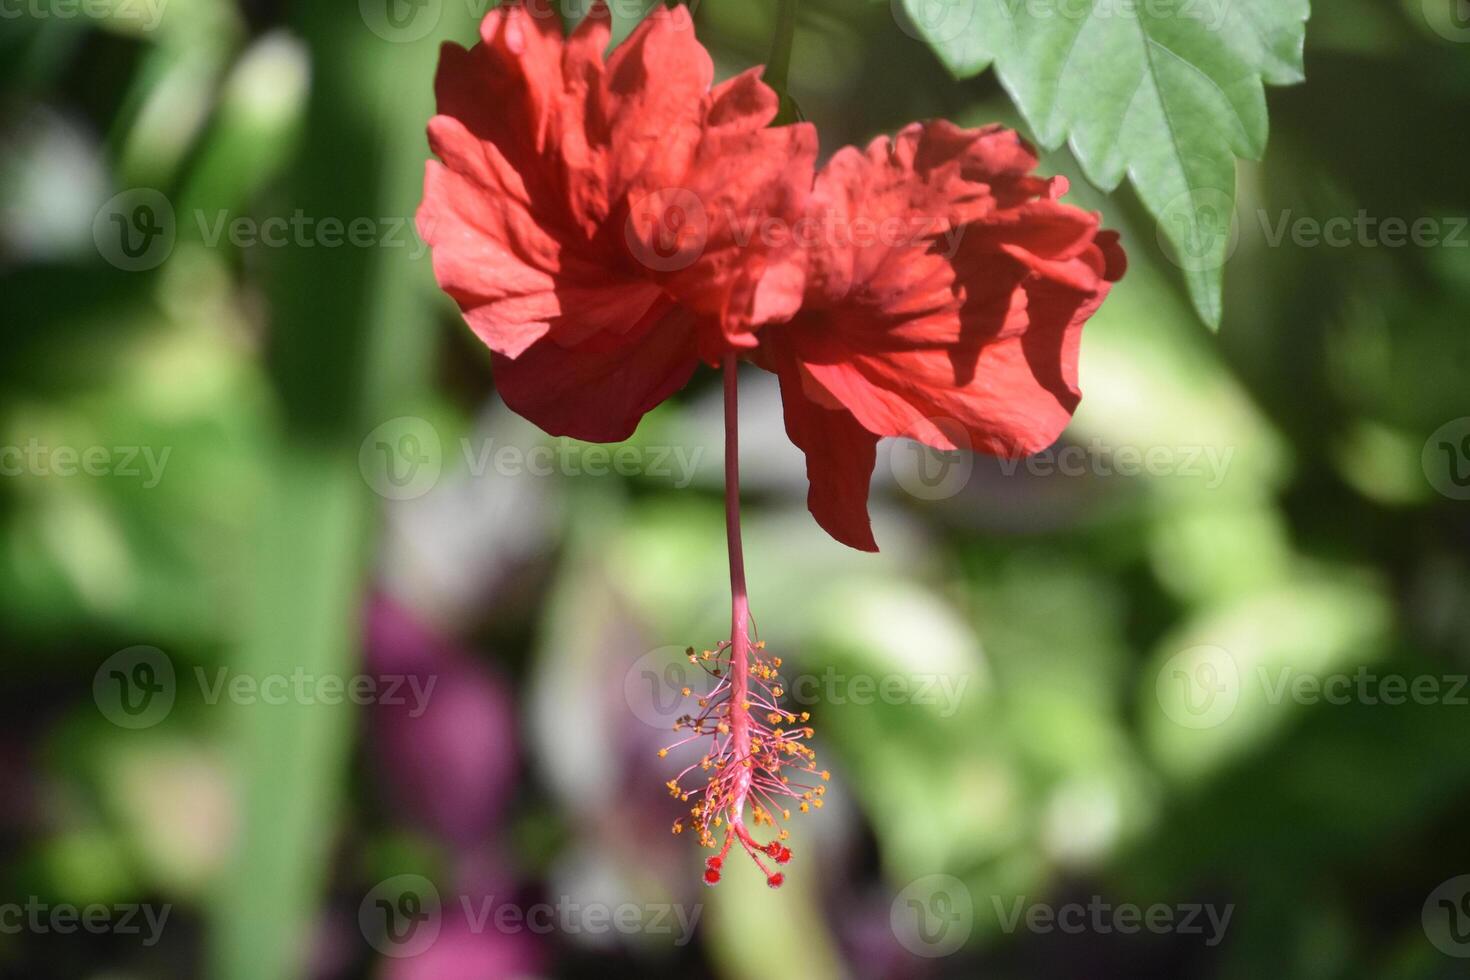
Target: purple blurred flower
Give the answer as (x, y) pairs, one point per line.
(446, 744)
(463, 953)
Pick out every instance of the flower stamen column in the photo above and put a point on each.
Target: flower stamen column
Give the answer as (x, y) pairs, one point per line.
(751, 746)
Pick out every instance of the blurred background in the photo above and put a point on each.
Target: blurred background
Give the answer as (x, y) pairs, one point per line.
(319, 663)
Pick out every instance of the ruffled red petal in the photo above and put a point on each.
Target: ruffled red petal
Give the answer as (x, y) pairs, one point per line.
(573, 196)
(961, 327)
(598, 391)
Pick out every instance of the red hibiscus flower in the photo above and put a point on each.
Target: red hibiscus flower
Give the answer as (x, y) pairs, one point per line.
(945, 296)
(591, 218)
(604, 226)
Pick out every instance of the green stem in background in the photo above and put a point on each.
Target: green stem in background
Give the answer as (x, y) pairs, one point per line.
(778, 66)
(341, 360)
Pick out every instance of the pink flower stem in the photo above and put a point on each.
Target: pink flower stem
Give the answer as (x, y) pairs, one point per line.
(739, 602)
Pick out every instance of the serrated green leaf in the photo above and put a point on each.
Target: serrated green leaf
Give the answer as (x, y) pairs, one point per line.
(966, 34)
(1169, 92)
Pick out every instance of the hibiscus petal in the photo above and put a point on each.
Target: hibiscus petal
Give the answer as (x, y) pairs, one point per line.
(655, 95)
(748, 270)
(961, 335)
(840, 455)
(539, 215)
(494, 252)
(599, 392)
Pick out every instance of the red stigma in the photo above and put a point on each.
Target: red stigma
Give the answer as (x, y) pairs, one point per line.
(776, 880)
(712, 877)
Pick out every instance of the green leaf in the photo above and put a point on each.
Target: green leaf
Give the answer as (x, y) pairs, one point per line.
(1169, 92)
